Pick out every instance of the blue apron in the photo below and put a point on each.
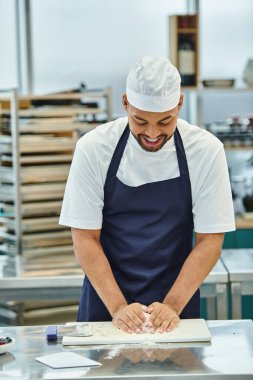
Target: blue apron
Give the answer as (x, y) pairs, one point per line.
(146, 235)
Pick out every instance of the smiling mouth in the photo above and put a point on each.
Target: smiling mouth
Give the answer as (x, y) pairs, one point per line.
(151, 142)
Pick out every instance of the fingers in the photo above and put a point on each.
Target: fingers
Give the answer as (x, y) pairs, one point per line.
(133, 318)
(150, 309)
(173, 324)
(144, 308)
(163, 318)
(169, 324)
(123, 326)
(156, 308)
(130, 318)
(132, 321)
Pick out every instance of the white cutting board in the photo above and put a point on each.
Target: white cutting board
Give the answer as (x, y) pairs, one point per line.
(189, 330)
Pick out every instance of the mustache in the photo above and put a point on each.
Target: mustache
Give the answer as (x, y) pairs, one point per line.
(157, 137)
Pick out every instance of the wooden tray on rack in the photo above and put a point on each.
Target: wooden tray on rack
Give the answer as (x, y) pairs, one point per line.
(38, 144)
(55, 251)
(46, 239)
(66, 111)
(37, 173)
(64, 259)
(35, 159)
(34, 224)
(48, 125)
(41, 208)
(33, 192)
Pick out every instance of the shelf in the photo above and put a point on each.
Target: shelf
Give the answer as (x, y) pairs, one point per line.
(56, 112)
(183, 30)
(34, 224)
(36, 174)
(187, 30)
(61, 96)
(32, 254)
(31, 192)
(48, 251)
(38, 135)
(51, 125)
(38, 144)
(54, 271)
(32, 209)
(244, 222)
(52, 158)
(239, 149)
(201, 89)
(46, 239)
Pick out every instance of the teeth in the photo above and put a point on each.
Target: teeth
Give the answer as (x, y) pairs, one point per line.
(151, 140)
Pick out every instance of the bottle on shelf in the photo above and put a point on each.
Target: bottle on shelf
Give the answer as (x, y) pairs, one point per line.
(187, 21)
(250, 123)
(238, 191)
(248, 198)
(186, 61)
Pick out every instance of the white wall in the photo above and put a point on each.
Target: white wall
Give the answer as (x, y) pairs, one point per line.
(226, 37)
(226, 43)
(96, 41)
(8, 69)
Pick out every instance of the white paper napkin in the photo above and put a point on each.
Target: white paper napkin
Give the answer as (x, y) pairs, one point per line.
(66, 359)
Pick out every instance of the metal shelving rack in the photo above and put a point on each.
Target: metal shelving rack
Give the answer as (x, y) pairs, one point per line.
(33, 142)
(12, 94)
(36, 146)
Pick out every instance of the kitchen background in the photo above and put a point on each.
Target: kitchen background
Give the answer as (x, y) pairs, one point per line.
(53, 46)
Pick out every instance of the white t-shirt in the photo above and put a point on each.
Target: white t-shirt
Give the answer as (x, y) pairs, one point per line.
(212, 204)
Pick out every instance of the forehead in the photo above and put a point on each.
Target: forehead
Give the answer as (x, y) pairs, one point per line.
(148, 116)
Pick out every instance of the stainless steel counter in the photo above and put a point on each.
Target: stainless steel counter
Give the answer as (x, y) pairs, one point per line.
(239, 263)
(40, 288)
(228, 356)
(21, 288)
(215, 290)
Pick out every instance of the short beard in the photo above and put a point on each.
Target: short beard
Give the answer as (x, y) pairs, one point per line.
(165, 139)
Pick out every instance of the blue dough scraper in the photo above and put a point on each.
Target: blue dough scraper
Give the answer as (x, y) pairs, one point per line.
(51, 333)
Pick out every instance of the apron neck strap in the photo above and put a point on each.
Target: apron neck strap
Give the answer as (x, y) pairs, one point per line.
(117, 155)
(181, 157)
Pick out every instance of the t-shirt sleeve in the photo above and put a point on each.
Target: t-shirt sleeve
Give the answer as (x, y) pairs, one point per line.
(84, 195)
(213, 210)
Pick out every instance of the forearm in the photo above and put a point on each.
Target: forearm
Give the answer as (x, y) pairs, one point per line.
(96, 267)
(195, 269)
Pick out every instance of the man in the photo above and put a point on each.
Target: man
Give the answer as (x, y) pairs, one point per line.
(137, 189)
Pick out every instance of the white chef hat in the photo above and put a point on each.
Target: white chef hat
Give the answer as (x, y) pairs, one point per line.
(153, 84)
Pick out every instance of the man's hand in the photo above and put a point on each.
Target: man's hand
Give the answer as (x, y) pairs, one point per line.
(162, 317)
(130, 318)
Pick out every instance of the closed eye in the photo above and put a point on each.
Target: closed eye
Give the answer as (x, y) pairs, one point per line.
(165, 121)
(164, 124)
(141, 123)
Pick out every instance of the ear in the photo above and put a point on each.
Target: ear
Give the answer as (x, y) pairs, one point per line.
(125, 102)
(181, 101)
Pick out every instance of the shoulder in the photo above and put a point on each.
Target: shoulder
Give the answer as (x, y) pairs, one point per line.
(198, 141)
(95, 149)
(103, 137)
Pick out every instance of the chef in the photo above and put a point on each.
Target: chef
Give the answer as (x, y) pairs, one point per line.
(138, 188)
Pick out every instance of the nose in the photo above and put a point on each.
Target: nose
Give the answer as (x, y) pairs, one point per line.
(152, 131)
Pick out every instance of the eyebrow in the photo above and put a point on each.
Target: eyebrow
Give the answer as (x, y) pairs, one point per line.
(139, 118)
